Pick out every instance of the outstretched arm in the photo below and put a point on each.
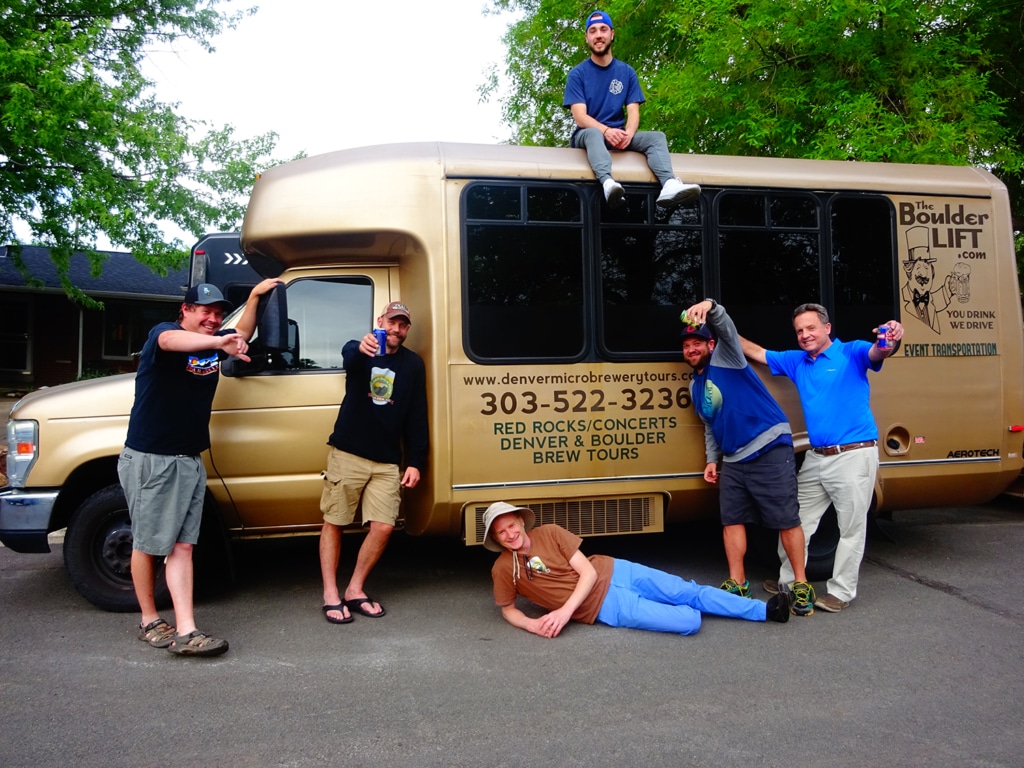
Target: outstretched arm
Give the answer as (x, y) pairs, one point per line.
(233, 344)
(754, 352)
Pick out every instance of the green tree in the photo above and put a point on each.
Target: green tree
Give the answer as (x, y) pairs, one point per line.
(891, 81)
(86, 150)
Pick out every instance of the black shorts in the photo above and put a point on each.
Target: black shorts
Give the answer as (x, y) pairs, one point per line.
(762, 490)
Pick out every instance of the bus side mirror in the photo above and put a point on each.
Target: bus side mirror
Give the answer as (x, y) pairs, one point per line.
(272, 336)
(272, 319)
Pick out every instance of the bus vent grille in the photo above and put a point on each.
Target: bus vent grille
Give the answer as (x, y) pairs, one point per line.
(602, 516)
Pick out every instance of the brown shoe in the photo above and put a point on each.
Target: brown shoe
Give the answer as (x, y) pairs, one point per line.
(831, 603)
(771, 586)
(157, 633)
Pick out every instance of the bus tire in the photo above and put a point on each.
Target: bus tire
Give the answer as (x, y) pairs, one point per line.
(821, 550)
(763, 543)
(98, 552)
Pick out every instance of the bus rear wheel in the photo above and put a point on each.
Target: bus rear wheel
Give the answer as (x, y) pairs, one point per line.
(821, 550)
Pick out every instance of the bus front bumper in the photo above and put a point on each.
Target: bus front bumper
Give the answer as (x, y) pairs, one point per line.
(25, 519)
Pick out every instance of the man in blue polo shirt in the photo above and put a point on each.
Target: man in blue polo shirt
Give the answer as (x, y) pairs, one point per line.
(840, 469)
(604, 96)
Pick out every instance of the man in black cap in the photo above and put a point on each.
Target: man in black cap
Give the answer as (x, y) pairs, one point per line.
(160, 467)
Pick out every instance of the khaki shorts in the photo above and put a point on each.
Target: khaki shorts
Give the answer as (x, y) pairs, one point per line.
(350, 479)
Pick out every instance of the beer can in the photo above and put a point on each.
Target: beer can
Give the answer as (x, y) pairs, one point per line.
(883, 337)
(382, 340)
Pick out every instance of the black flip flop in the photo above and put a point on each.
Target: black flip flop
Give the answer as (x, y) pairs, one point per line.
(356, 606)
(337, 607)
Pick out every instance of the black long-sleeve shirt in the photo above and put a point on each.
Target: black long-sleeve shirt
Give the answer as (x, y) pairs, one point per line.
(385, 407)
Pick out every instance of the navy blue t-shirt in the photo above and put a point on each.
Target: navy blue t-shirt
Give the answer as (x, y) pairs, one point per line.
(605, 90)
(173, 398)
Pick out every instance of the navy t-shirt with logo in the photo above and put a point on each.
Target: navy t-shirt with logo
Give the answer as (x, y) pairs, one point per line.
(173, 397)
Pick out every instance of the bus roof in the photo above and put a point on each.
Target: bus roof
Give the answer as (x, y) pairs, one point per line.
(372, 199)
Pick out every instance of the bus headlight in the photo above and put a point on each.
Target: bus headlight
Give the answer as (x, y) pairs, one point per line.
(22, 450)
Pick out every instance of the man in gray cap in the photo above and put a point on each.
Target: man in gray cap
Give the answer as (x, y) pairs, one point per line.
(545, 565)
(161, 469)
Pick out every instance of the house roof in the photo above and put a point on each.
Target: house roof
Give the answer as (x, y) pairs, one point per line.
(122, 275)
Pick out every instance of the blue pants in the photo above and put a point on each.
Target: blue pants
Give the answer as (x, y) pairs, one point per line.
(645, 598)
(651, 143)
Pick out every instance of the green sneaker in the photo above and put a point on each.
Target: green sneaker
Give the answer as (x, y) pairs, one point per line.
(803, 599)
(734, 587)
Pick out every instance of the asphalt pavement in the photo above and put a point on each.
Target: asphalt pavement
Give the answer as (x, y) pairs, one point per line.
(923, 670)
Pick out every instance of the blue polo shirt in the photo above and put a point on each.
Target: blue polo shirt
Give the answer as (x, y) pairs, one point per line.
(834, 391)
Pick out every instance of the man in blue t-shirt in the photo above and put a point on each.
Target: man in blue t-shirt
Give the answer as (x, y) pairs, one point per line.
(840, 469)
(160, 468)
(604, 96)
(745, 430)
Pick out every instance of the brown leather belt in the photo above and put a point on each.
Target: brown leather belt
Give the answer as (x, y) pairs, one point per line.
(832, 450)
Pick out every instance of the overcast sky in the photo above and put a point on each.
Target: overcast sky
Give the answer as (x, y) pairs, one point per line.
(334, 74)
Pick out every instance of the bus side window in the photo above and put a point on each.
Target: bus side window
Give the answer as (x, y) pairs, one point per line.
(863, 265)
(323, 314)
(769, 247)
(652, 267)
(524, 272)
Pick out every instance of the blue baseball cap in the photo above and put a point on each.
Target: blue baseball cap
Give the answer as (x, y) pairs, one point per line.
(597, 17)
(696, 331)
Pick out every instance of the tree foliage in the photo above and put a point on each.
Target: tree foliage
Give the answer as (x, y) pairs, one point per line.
(87, 151)
(938, 81)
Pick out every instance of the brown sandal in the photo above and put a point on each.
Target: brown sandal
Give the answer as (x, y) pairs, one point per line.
(196, 643)
(157, 633)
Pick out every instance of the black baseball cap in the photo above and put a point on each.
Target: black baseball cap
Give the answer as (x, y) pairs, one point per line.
(204, 294)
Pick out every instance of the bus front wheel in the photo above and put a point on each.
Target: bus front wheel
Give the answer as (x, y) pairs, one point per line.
(98, 553)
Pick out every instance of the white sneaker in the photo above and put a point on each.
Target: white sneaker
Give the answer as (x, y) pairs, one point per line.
(614, 193)
(676, 193)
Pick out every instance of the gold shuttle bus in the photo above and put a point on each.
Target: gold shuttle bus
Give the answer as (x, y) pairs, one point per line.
(549, 323)
(549, 327)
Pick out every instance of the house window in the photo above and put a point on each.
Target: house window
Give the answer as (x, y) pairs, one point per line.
(126, 326)
(15, 336)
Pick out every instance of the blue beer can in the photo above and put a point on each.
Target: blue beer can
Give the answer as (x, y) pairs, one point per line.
(382, 340)
(883, 337)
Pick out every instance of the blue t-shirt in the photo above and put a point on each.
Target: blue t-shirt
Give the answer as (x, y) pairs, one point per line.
(605, 90)
(834, 390)
(173, 397)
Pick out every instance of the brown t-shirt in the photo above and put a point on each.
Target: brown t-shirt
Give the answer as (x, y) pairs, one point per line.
(546, 578)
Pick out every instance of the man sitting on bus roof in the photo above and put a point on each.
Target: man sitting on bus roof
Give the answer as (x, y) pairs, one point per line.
(597, 92)
(545, 565)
